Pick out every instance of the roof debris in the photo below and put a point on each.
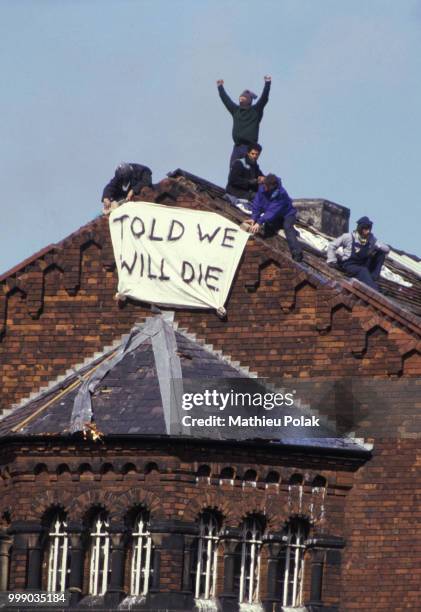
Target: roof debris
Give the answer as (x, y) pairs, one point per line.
(91, 431)
(400, 279)
(141, 396)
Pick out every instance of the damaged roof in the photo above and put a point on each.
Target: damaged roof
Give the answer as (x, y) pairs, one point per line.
(400, 281)
(128, 400)
(130, 397)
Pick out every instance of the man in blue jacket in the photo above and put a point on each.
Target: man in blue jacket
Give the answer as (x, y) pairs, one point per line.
(273, 210)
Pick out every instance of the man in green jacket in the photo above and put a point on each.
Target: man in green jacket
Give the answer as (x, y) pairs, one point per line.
(246, 117)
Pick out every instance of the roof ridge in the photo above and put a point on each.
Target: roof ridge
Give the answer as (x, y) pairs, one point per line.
(376, 299)
(387, 307)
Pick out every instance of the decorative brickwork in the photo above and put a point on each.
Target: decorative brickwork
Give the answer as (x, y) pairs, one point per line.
(174, 496)
(285, 320)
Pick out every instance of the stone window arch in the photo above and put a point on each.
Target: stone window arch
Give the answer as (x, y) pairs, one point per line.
(141, 563)
(247, 562)
(99, 553)
(58, 551)
(205, 558)
(227, 474)
(292, 565)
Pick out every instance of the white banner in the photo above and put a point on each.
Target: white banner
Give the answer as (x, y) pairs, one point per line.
(175, 256)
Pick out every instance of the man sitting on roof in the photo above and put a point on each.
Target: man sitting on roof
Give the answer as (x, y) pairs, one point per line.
(272, 210)
(126, 183)
(245, 175)
(246, 117)
(359, 254)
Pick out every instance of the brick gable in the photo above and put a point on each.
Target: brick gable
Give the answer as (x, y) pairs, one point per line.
(284, 320)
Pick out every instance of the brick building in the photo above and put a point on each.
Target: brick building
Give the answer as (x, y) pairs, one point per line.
(139, 516)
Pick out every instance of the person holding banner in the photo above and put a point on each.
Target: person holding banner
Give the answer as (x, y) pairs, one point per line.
(272, 210)
(246, 117)
(127, 182)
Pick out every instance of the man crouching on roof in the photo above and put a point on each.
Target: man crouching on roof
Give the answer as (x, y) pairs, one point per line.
(127, 182)
(245, 175)
(359, 253)
(272, 210)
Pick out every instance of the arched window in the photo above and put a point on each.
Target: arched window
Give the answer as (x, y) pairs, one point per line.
(142, 550)
(100, 555)
(206, 558)
(227, 473)
(249, 570)
(58, 554)
(203, 472)
(292, 563)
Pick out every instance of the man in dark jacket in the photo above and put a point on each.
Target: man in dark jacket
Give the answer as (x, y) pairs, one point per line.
(272, 210)
(245, 175)
(246, 117)
(359, 254)
(126, 183)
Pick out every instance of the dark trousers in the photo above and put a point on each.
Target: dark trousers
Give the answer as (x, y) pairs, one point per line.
(238, 152)
(287, 223)
(368, 273)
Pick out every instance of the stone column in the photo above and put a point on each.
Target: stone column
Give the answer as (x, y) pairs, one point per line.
(169, 578)
(33, 579)
(19, 556)
(77, 556)
(156, 562)
(317, 560)
(229, 598)
(115, 592)
(319, 545)
(272, 600)
(5, 544)
(187, 563)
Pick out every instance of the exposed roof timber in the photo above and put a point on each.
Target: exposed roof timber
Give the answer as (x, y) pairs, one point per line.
(53, 416)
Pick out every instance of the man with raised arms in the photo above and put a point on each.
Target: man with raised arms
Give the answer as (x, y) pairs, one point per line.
(246, 117)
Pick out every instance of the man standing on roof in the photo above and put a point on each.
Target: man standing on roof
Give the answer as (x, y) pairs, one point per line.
(245, 175)
(127, 182)
(272, 210)
(246, 117)
(359, 253)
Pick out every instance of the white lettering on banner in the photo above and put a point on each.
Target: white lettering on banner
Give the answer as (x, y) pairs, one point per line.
(175, 256)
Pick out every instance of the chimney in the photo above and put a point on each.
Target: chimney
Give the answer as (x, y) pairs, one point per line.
(330, 218)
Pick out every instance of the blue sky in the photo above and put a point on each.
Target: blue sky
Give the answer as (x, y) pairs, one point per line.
(89, 83)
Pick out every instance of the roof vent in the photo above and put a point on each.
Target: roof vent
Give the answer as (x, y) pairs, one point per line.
(330, 218)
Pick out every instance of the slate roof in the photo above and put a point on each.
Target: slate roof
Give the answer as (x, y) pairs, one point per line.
(401, 278)
(128, 401)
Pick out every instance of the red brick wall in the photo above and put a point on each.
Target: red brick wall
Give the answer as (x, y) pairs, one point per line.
(281, 322)
(173, 493)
